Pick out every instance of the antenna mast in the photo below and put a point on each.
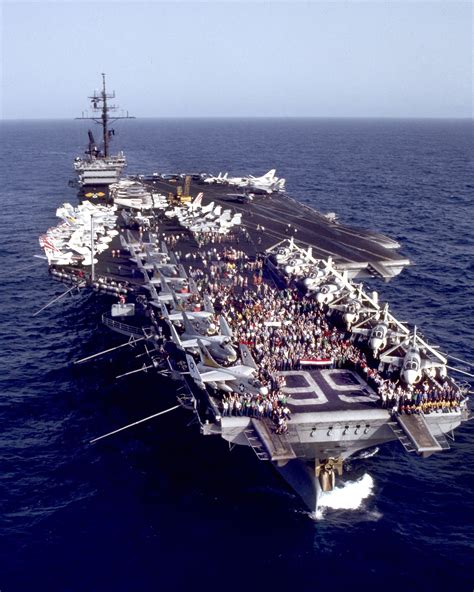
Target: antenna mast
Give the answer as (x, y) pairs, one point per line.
(102, 109)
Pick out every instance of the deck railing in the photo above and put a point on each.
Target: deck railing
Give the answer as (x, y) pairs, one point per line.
(121, 327)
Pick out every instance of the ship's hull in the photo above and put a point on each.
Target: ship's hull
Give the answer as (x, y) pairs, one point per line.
(313, 441)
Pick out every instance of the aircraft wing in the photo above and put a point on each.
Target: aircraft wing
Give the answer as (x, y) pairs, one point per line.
(425, 364)
(178, 316)
(360, 331)
(189, 342)
(392, 333)
(340, 307)
(174, 279)
(216, 376)
(395, 360)
(242, 370)
(208, 306)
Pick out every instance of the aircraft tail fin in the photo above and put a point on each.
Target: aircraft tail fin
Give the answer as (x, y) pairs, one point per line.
(269, 175)
(208, 208)
(247, 358)
(193, 287)
(193, 370)
(188, 327)
(164, 288)
(177, 304)
(164, 248)
(226, 215)
(197, 203)
(224, 327)
(182, 272)
(206, 358)
(280, 185)
(174, 335)
(235, 220)
(208, 306)
(164, 311)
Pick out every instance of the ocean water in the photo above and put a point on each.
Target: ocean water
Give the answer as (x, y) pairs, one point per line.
(159, 507)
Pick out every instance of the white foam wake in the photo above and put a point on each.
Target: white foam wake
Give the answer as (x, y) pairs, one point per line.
(348, 496)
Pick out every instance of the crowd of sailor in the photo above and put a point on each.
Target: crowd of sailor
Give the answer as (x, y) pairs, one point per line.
(424, 398)
(284, 330)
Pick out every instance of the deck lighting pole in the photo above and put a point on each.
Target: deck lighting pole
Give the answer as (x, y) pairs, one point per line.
(92, 250)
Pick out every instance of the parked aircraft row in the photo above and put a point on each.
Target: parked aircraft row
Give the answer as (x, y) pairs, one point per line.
(210, 218)
(267, 183)
(390, 341)
(70, 241)
(196, 331)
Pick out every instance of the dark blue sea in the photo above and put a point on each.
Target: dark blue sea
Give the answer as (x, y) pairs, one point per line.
(160, 507)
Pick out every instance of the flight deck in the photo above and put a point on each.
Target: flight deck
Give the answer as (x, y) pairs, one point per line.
(270, 219)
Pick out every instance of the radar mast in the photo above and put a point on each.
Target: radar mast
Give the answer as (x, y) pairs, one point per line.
(101, 114)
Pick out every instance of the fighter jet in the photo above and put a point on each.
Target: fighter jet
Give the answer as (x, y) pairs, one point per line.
(352, 305)
(293, 260)
(380, 332)
(205, 316)
(219, 346)
(219, 180)
(167, 294)
(410, 361)
(183, 287)
(267, 182)
(174, 275)
(240, 378)
(312, 278)
(195, 212)
(327, 292)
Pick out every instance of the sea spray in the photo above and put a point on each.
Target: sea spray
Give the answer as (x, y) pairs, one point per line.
(367, 453)
(349, 496)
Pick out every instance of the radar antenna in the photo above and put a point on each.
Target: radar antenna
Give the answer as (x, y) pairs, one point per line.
(102, 109)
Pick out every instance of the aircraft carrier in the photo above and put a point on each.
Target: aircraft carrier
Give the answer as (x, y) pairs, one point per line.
(175, 250)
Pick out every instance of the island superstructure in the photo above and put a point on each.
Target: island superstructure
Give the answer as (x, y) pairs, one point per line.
(99, 169)
(248, 300)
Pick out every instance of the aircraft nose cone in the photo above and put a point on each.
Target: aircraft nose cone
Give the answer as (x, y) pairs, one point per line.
(410, 376)
(375, 343)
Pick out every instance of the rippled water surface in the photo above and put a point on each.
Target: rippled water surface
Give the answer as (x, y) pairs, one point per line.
(160, 507)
